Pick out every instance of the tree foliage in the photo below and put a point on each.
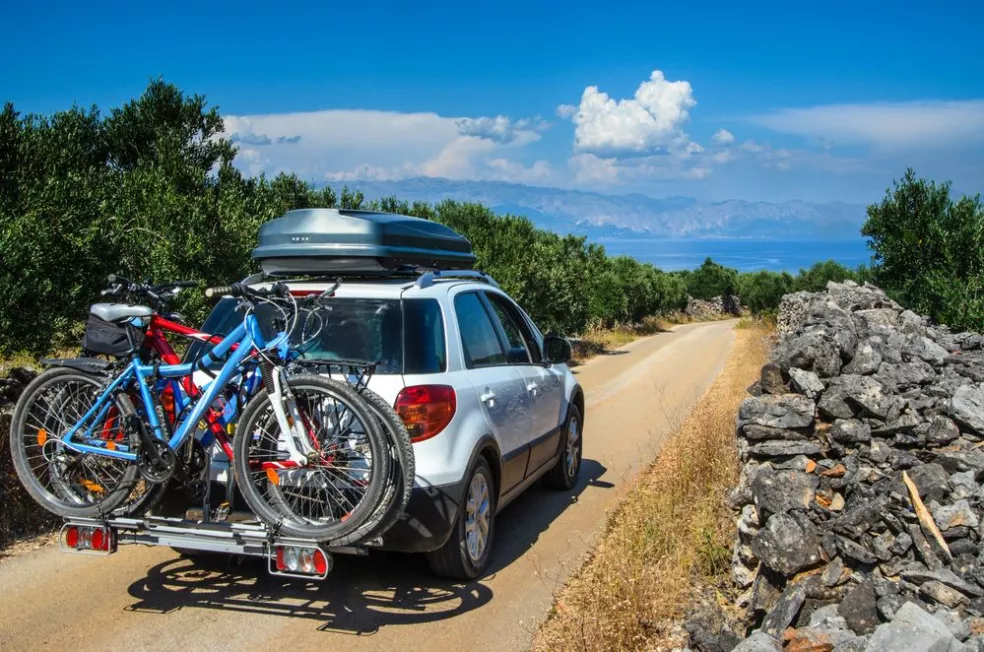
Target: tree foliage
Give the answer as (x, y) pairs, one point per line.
(712, 280)
(929, 250)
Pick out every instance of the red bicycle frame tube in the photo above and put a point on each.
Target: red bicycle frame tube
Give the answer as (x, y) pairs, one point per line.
(156, 341)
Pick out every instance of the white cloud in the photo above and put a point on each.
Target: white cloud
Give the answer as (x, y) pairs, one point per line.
(251, 160)
(342, 145)
(370, 173)
(723, 137)
(501, 129)
(649, 123)
(506, 170)
(592, 169)
(888, 125)
(566, 111)
(722, 156)
(456, 160)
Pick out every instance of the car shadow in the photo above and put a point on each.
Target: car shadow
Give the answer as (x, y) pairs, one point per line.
(362, 593)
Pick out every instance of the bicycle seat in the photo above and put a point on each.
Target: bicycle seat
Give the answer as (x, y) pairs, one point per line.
(119, 311)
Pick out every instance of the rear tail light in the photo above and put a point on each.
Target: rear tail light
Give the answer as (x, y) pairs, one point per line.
(426, 410)
(299, 560)
(84, 538)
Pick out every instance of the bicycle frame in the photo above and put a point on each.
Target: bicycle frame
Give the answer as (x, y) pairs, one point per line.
(156, 341)
(238, 345)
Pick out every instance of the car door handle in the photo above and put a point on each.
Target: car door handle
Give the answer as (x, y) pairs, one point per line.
(531, 387)
(488, 397)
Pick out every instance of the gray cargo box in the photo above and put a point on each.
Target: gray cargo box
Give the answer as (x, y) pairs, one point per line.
(320, 241)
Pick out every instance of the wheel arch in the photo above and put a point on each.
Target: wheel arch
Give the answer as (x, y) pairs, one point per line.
(577, 398)
(488, 448)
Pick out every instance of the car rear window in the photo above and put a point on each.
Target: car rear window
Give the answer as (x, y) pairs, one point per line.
(402, 336)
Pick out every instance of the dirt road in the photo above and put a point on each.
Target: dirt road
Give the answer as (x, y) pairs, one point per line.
(152, 599)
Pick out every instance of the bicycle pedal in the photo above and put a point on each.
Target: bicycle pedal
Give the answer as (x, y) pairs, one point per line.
(221, 513)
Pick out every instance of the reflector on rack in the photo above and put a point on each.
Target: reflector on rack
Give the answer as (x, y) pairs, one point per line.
(87, 539)
(300, 561)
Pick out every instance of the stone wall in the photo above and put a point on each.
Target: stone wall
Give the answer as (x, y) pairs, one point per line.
(716, 308)
(860, 503)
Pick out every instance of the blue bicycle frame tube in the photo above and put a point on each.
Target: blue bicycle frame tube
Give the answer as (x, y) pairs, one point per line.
(247, 335)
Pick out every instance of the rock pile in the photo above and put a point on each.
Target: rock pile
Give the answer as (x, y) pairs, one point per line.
(716, 308)
(861, 502)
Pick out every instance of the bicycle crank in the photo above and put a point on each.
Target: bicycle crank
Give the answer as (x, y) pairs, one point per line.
(157, 465)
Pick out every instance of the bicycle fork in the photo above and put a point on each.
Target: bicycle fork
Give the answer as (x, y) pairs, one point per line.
(288, 417)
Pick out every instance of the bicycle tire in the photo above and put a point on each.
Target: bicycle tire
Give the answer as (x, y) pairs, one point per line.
(20, 453)
(399, 483)
(266, 498)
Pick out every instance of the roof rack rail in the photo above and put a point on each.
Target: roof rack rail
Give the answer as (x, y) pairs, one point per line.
(429, 278)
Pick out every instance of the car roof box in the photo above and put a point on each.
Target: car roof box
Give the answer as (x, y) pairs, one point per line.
(328, 241)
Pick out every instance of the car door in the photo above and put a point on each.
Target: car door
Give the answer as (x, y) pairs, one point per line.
(500, 387)
(543, 383)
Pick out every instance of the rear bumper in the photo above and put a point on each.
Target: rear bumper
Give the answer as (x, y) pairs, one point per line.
(427, 521)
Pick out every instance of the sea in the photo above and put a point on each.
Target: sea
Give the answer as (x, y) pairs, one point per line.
(744, 254)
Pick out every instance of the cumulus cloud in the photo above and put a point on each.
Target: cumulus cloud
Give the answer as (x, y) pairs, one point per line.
(887, 125)
(343, 145)
(651, 122)
(723, 137)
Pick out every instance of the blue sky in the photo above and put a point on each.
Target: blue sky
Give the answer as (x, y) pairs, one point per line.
(818, 101)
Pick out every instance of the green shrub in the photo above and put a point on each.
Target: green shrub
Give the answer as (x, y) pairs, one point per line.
(929, 251)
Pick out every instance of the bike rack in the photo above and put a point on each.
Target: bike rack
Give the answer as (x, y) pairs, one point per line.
(251, 539)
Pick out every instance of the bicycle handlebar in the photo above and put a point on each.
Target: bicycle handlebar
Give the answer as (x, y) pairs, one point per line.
(241, 291)
(126, 285)
(218, 291)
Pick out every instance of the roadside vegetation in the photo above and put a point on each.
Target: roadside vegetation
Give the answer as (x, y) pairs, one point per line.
(671, 536)
(148, 190)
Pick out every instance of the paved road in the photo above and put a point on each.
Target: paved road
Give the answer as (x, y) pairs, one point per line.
(152, 599)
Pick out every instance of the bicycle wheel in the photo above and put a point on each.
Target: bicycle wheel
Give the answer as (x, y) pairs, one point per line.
(66, 482)
(399, 485)
(338, 488)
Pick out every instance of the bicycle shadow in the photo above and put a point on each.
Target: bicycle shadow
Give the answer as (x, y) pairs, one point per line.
(361, 594)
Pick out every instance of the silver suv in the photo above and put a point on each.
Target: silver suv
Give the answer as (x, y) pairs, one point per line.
(489, 401)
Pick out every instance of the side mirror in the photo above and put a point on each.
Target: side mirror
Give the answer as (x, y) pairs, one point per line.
(556, 350)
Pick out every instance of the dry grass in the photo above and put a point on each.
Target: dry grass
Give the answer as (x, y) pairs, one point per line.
(672, 533)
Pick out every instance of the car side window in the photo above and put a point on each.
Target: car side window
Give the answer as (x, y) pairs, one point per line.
(523, 347)
(479, 339)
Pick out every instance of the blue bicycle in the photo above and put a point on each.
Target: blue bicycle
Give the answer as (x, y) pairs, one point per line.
(310, 457)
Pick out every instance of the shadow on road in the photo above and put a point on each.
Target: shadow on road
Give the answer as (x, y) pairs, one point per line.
(362, 594)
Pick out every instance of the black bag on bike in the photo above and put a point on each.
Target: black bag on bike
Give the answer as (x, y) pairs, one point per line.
(106, 338)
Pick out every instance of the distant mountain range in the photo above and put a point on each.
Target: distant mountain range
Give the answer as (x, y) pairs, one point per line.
(601, 215)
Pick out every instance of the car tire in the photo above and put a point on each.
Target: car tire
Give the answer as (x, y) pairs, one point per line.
(465, 555)
(563, 476)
